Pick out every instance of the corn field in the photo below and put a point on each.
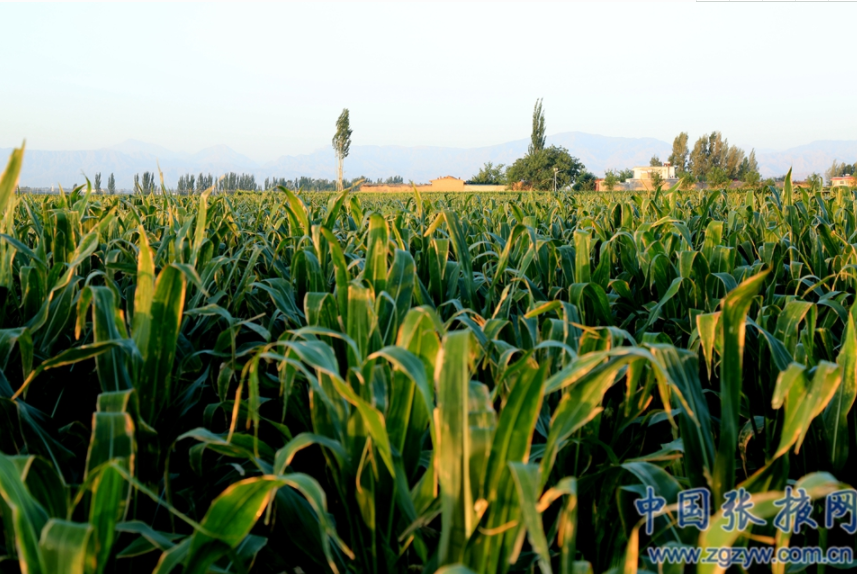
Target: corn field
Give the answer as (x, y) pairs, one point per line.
(285, 382)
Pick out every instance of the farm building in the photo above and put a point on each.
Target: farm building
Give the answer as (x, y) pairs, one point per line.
(843, 181)
(644, 178)
(445, 183)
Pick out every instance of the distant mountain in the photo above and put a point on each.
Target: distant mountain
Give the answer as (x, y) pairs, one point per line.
(418, 163)
(815, 157)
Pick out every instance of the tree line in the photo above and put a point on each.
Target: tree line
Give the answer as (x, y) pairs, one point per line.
(713, 160)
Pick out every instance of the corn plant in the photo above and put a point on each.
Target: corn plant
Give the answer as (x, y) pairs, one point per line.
(455, 383)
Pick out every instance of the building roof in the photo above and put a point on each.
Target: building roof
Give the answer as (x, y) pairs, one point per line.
(447, 177)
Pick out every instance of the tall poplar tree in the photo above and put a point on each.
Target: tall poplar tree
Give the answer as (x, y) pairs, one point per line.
(537, 139)
(341, 144)
(111, 184)
(678, 157)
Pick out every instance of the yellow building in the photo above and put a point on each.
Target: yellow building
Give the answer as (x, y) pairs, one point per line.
(844, 181)
(666, 171)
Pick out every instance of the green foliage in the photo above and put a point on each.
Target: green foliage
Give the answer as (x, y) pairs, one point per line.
(490, 174)
(815, 181)
(717, 177)
(679, 154)
(711, 152)
(342, 137)
(537, 169)
(393, 383)
(341, 144)
(585, 181)
(537, 138)
(751, 178)
(655, 161)
(610, 180)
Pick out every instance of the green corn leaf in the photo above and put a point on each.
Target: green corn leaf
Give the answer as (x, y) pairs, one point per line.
(112, 440)
(804, 400)
(23, 519)
(143, 293)
(68, 547)
(229, 520)
(733, 326)
(452, 380)
(375, 270)
(567, 528)
(154, 378)
(44, 484)
(836, 413)
(9, 177)
(527, 481)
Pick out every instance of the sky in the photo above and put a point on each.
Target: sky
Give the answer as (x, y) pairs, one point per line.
(271, 79)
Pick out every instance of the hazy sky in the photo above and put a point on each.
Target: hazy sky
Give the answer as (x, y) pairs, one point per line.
(269, 80)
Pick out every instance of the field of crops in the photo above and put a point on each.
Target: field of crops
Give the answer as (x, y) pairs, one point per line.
(295, 382)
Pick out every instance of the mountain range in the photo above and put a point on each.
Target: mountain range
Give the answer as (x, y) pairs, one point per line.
(417, 163)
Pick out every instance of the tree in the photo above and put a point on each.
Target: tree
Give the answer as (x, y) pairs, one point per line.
(712, 151)
(585, 181)
(751, 178)
(840, 169)
(655, 161)
(610, 180)
(815, 181)
(625, 174)
(752, 164)
(717, 177)
(686, 180)
(657, 179)
(538, 168)
(98, 183)
(111, 184)
(490, 174)
(678, 157)
(750, 170)
(537, 139)
(341, 144)
(698, 162)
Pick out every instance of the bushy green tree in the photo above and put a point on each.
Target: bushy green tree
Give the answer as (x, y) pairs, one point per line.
(686, 181)
(657, 179)
(751, 178)
(655, 161)
(815, 181)
(625, 174)
(490, 174)
(610, 180)
(538, 168)
(585, 181)
(717, 177)
(712, 151)
(542, 166)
